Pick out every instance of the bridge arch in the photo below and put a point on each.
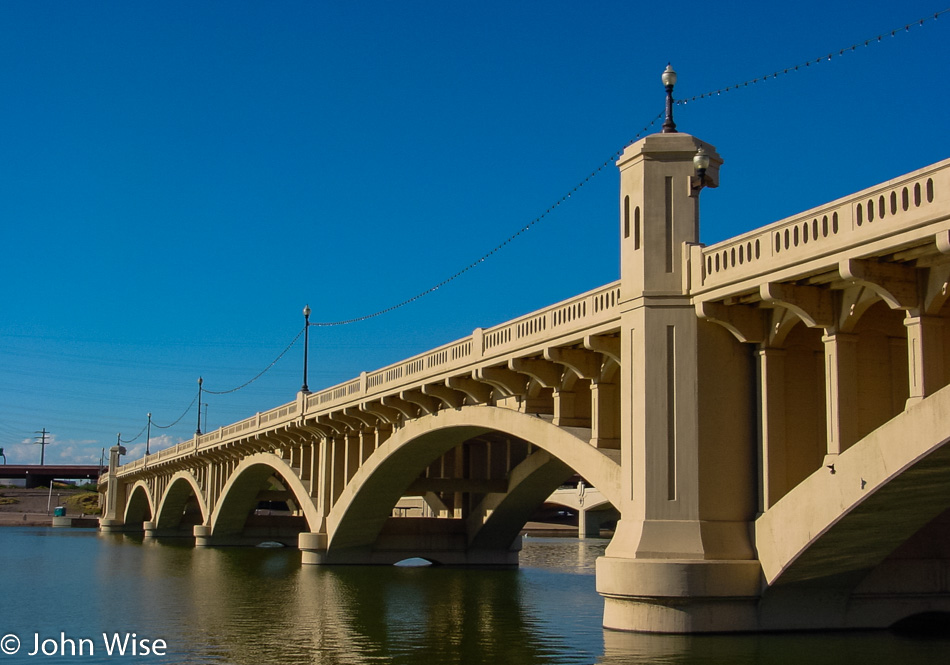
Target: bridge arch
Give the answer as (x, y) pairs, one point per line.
(366, 502)
(181, 487)
(840, 523)
(239, 494)
(140, 506)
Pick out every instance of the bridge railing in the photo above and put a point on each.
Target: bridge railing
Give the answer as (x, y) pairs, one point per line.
(917, 199)
(583, 311)
(587, 310)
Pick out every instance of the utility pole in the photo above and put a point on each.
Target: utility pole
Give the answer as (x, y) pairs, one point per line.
(42, 442)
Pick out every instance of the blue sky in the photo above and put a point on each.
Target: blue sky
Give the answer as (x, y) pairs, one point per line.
(178, 179)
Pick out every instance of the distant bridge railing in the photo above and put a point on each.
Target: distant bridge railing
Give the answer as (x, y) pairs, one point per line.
(586, 311)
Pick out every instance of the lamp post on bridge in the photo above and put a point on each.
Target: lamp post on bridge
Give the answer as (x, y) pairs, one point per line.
(701, 160)
(669, 80)
(198, 430)
(306, 346)
(148, 433)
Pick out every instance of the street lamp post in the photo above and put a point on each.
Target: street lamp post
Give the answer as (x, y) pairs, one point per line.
(198, 431)
(148, 433)
(669, 80)
(306, 345)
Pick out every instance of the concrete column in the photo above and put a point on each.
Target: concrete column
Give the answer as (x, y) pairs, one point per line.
(773, 459)
(315, 474)
(925, 356)
(212, 491)
(367, 443)
(337, 467)
(588, 523)
(459, 510)
(321, 482)
(661, 436)
(605, 418)
(353, 457)
(564, 407)
(841, 392)
(306, 461)
(383, 432)
(113, 513)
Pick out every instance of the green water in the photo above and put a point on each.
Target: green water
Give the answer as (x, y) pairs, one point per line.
(260, 606)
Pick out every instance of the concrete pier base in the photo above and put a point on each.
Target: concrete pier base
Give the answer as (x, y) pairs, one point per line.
(313, 548)
(152, 531)
(679, 596)
(388, 551)
(202, 535)
(109, 525)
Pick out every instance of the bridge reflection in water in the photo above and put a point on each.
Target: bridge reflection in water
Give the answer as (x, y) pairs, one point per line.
(249, 606)
(260, 606)
(768, 416)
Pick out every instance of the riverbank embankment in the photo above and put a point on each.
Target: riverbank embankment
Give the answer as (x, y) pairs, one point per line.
(35, 507)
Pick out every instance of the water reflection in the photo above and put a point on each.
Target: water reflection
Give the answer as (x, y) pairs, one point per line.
(829, 648)
(245, 606)
(253, 606)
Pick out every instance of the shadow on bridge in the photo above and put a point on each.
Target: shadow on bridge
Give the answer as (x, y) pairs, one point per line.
(875, 524)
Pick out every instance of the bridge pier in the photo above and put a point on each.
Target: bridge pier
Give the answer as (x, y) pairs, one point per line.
(313, 548)
(152, 530)
(202, 535)
(678, 596)
(441, 541)
(108, 525)
(681, 559)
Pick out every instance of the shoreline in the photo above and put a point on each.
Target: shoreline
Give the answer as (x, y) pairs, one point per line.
(34, 506)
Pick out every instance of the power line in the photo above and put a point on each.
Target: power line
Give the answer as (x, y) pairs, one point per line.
(511, 238)
(185, 413)
(262, 372)
(132, 440)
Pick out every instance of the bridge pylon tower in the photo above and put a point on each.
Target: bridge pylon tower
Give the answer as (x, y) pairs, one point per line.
(681, 558)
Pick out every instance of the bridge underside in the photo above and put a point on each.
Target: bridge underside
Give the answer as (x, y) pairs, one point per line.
(475, 470)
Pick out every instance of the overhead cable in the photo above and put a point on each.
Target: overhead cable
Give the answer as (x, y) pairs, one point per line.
(823, 58)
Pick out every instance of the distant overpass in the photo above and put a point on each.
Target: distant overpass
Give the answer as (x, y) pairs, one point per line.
(37, 475)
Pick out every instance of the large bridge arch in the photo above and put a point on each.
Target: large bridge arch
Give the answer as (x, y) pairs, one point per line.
(366, 503)
(140, 506)
(841, 522)
(181, 487)
(239, 494)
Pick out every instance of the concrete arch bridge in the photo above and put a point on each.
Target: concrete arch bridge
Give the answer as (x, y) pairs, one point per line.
(768, 415)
